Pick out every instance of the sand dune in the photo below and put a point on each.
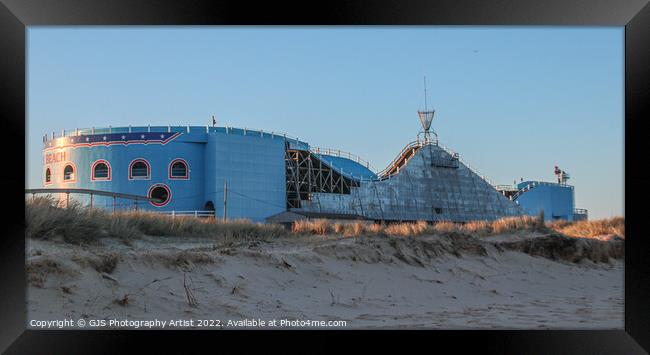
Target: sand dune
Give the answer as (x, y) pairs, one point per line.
(508, 281)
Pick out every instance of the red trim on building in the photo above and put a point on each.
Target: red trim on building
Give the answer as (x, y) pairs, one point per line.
(187, 170)
(169, 194)
(92, 171)
(148, 177)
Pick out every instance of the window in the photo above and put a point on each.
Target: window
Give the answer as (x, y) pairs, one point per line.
(48, 176)
(178, 169)
(160, 192)
(139, 169)
(101, 170)
(69, 173)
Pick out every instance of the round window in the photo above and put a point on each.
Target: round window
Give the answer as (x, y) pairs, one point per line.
(161, 193)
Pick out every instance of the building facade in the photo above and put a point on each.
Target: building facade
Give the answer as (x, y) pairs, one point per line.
(263, 174)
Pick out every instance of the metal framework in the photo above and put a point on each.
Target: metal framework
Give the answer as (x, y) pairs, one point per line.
(307, 174)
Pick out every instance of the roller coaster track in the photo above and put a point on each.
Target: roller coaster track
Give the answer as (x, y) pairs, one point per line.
(404, 155)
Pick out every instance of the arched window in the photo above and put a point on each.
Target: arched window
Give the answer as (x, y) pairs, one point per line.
(69, 173)
(160, 192)
(48, 176)
(101, 170)
(139, 169)
(178, 169)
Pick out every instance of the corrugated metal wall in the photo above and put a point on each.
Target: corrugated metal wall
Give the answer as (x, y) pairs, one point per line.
(422, 191)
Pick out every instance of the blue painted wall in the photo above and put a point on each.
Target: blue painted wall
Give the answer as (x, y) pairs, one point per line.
(556, 200)
(254, 169)
(251, 161)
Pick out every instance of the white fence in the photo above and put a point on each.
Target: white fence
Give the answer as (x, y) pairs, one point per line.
(188, 213)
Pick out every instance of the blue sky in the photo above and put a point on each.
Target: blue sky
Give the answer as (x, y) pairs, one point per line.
(513, 101)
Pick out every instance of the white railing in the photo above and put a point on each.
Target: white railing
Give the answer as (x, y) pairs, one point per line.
(168, 128)
(524, 189)
(580, 211)
(195, 213)
(532, 184)
(342, 154)
(506, 188)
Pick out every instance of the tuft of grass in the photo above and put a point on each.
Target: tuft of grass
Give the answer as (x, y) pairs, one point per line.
(46, 219)
(338, 228)
(590, 229)
(325, 227)
(105, 263)
(354, 229)
(407, 229)
(376, 229)
(316, 226)
(445, 227)
(520, 223)
(478, 227)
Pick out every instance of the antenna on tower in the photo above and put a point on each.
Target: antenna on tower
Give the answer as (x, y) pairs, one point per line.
(426, 117)
(425, 93)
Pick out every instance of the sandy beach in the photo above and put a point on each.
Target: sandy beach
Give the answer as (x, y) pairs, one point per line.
(431, 281)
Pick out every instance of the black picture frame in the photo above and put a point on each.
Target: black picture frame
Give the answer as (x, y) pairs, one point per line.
(15, 15)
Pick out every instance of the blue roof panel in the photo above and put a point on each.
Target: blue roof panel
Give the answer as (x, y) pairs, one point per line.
(347, 167)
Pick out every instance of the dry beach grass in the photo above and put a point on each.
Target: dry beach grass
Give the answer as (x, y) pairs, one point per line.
(78, 224)
(582, 229)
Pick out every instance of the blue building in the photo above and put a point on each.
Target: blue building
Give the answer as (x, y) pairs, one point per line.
(185, 167)
(557, 200)
(270, 175)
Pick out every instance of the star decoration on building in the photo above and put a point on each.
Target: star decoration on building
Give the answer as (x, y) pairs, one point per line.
(123, 137)
(162, 136)
(142, 136)
(87, 139)
(104, 137)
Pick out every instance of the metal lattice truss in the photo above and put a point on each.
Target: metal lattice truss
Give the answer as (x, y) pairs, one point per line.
(307, 174)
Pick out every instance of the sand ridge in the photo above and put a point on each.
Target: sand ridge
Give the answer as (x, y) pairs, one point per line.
(431, 281)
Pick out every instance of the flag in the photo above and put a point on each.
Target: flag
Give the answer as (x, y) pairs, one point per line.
(214, 122)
